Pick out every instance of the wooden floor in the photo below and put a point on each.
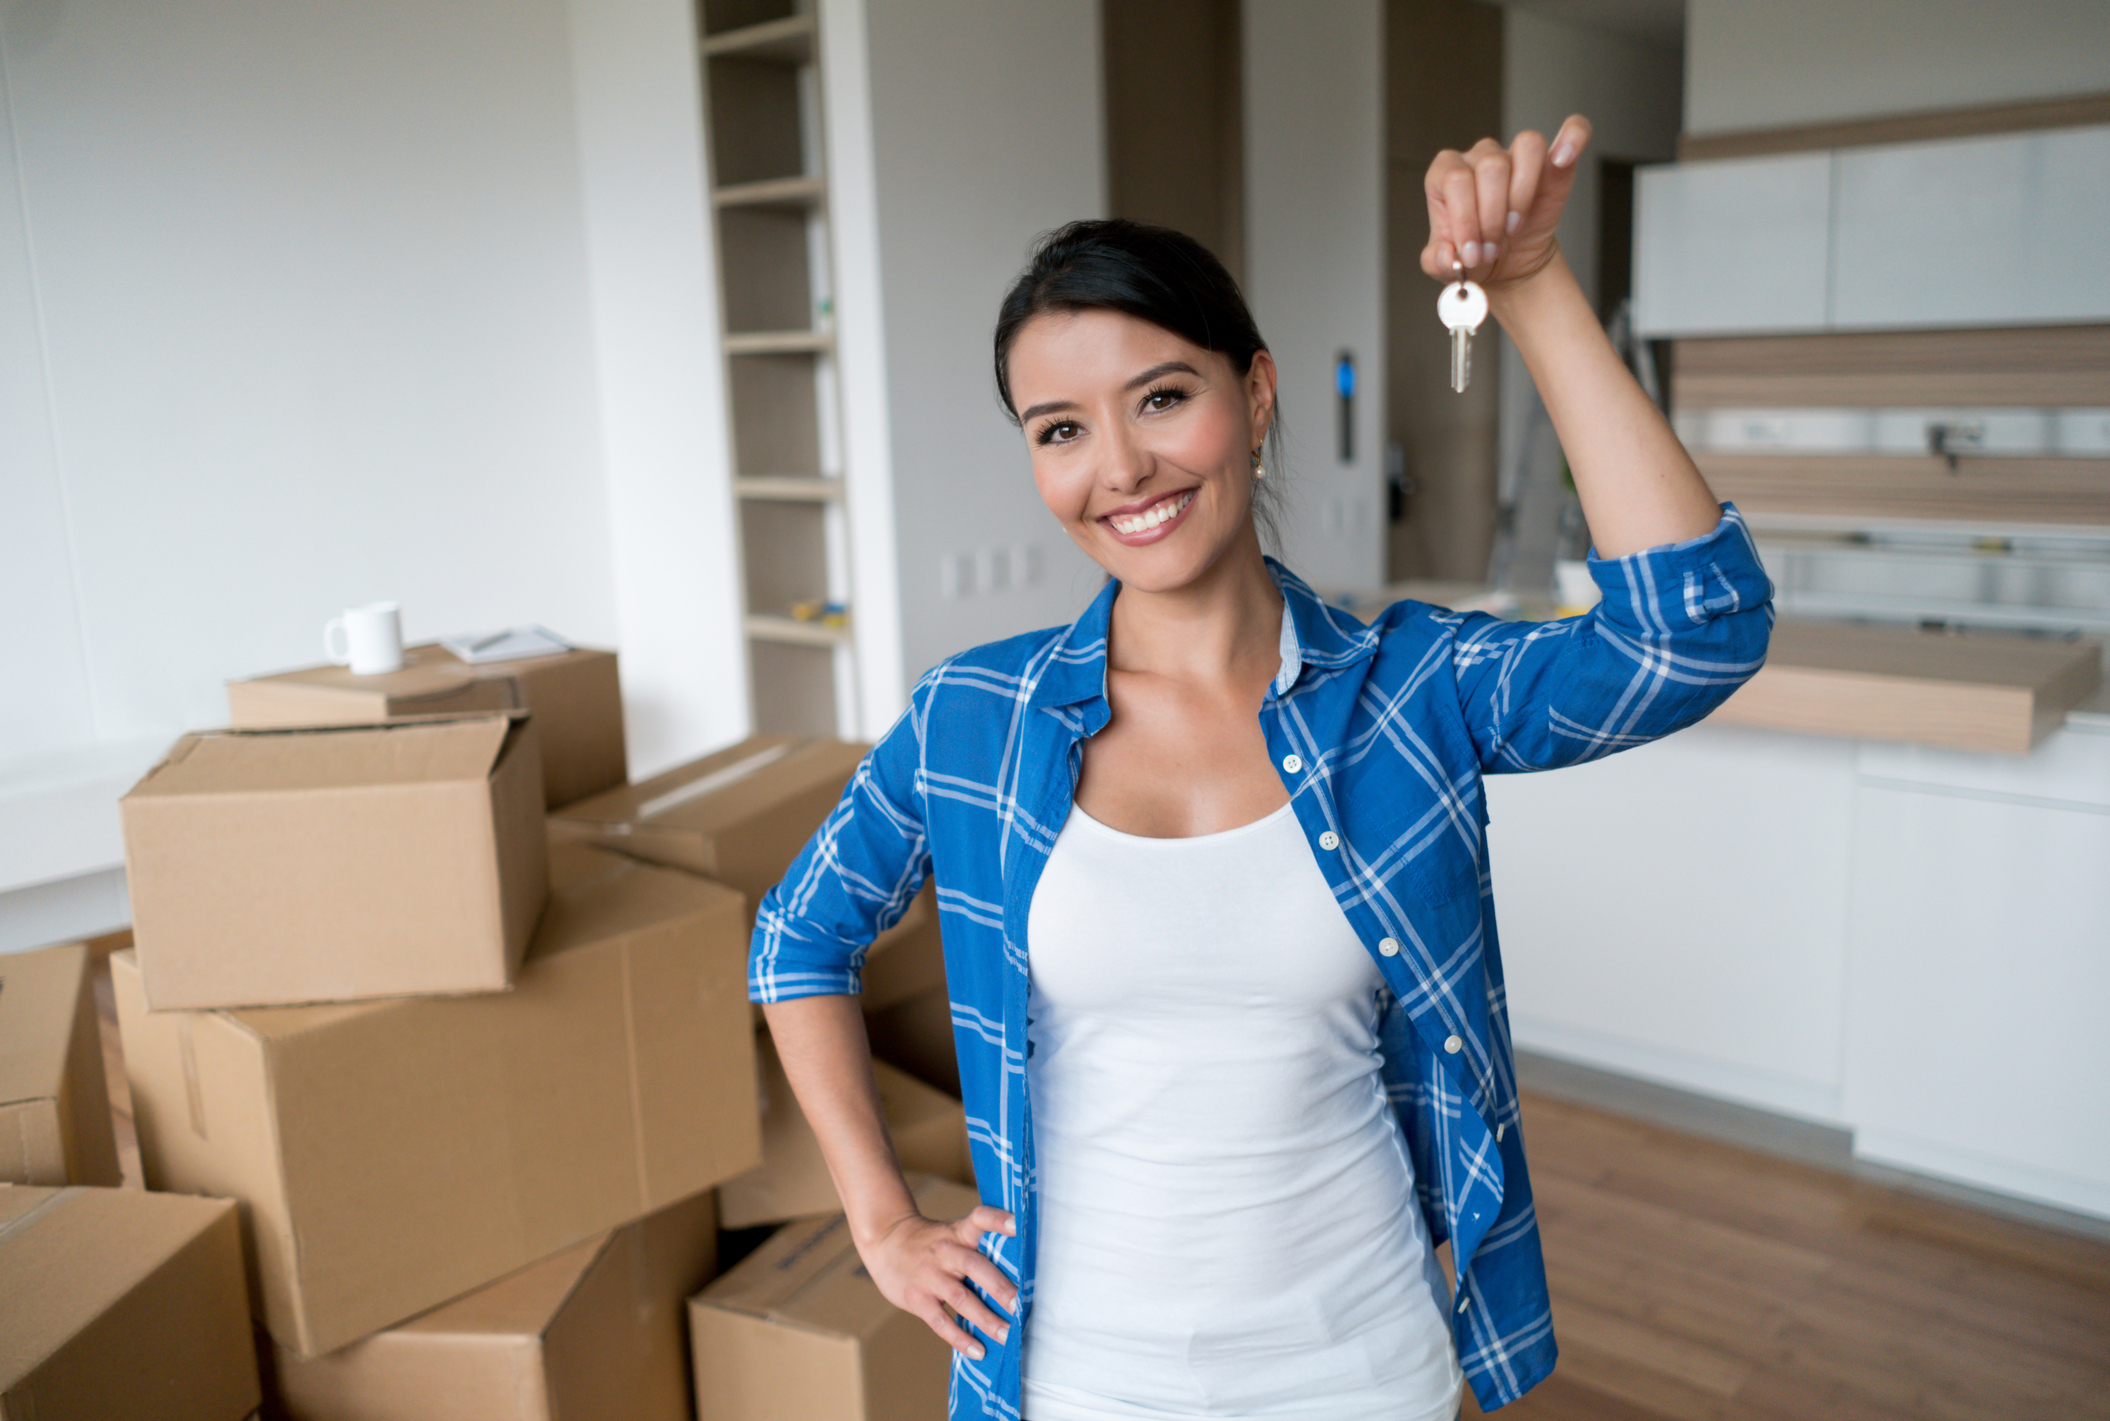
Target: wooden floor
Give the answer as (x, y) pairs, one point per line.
(1696, 1280)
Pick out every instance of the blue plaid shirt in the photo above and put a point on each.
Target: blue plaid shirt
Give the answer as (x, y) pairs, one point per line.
(1381, 734)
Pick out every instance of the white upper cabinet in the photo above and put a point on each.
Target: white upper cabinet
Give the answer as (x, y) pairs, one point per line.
(1732, 246)
(2013, 230)
(2001, 231)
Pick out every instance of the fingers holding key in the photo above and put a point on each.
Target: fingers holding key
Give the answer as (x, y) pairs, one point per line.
(1494, 210)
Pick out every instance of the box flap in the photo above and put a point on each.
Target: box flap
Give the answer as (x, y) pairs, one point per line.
(266, 760)
(685, 784)
(40, 995)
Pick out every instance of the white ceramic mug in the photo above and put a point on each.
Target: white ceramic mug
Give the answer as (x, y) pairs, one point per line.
(373, 639)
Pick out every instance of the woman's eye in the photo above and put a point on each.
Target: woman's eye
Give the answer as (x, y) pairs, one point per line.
(1158, 401)
(1062, 431)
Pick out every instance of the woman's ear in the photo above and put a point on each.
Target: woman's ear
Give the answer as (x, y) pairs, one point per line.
(1260, 394)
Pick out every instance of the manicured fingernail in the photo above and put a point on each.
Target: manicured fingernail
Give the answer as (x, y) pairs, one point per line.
(1514, 219)
(1492, 253)
(1472, 253)
(1003, 1334)
(1564, 155)
(975, 1351)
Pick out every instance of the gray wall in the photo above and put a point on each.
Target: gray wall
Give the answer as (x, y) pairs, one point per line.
(1781, 63)
(986, 131)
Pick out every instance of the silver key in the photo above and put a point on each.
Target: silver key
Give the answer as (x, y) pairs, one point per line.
(1462, 307)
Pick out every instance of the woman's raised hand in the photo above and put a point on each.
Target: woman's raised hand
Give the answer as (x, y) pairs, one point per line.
(924, 1265)
(1495, 209)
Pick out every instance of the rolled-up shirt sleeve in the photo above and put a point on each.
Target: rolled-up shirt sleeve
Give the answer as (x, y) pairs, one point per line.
(1680, 627)
(853, 880)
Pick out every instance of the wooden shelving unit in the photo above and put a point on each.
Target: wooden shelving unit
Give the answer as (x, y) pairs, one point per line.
(761, 63)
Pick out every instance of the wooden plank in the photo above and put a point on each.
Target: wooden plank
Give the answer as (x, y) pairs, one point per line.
(777, 342)
(785, 632)
(2068, 111)
(788, 488)
(1886, 486)
(785, 41)
(1989, 693)
(798, 192)
(2035, 367)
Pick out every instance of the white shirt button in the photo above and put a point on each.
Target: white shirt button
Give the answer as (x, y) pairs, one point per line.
(1464, 1303)
(1329, 840)
(1389, 947)
(1292, 763)
(1498, 1131)
(1453, 1044)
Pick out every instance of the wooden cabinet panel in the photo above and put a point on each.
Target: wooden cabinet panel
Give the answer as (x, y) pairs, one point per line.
(1738, 245)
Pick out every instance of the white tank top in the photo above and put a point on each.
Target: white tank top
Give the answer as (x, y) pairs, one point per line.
(1228, 1224)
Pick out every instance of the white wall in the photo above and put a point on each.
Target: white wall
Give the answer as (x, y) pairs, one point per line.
(1780, 63)
(986, 129)
(304, 290)
(1315, 265)
(1630, 91)
(662, 397)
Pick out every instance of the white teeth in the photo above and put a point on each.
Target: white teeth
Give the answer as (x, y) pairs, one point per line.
(1144, 522)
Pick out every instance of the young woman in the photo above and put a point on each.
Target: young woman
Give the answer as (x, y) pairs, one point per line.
(1212, 872)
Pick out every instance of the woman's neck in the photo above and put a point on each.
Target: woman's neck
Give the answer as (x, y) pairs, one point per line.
(1226, 625)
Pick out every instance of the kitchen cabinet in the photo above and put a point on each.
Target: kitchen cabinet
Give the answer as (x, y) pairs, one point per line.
(1738, 245)
(1978, 974)
(2001, 231)
(1996, 231)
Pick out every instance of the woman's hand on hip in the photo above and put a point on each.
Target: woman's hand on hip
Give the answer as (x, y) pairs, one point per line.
(1496, 209)
(924, 1266)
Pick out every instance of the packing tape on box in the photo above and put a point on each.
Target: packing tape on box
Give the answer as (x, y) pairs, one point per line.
(717, 779)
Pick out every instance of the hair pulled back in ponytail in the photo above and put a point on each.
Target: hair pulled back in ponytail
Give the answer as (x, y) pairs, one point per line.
(1154, 274)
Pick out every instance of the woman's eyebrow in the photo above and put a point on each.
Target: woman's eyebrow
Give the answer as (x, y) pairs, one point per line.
(1155, 372)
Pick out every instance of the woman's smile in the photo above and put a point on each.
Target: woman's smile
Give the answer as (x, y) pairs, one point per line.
(1153, 520)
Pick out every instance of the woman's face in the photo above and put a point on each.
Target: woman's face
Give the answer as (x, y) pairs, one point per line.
(1142, 443)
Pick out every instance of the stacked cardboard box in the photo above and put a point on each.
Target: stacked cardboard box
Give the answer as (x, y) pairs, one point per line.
(740, 816)
(598, 1332)
(117, 1305)
(928, 1128)
(55, 1121)
(481, 1086)
(575, 698)
(798, 1331)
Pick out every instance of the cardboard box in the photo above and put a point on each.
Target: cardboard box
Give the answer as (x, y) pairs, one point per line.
(598, 1332)
(917, 1036)
(118, 1305)
(739, 816)
(799, 1330)
(576, 700)
(393, 1155)
(908, 959)
(929, 1131)
(286, 866)
(55, 1121)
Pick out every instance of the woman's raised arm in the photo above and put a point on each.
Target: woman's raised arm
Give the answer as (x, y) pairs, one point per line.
(1495, 211)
